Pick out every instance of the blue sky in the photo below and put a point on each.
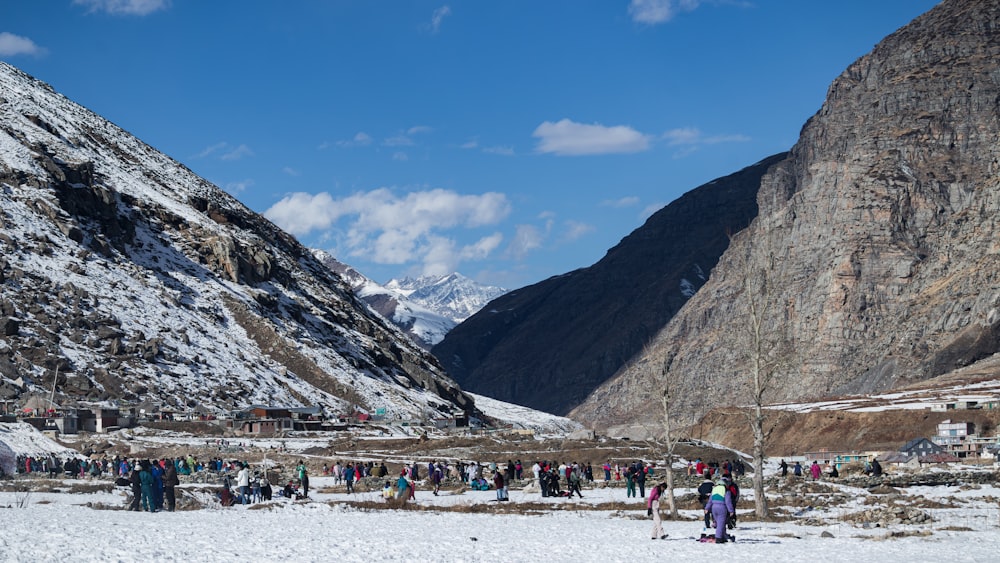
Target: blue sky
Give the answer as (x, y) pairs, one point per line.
(510, 140)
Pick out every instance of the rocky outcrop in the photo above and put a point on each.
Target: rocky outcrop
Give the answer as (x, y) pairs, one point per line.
(877, 237)
(549, 345)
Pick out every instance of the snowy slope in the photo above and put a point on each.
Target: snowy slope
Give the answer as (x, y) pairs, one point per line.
(127, 277)
(24, 439)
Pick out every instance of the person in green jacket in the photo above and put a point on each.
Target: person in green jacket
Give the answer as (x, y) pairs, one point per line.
(303, 478)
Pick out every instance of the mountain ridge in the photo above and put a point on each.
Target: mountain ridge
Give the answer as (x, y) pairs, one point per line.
(125, 276)
(881, 230)
(549, 345)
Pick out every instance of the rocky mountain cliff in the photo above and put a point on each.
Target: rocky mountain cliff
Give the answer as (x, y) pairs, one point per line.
(877, 238)
(125, 276)
(549, 345)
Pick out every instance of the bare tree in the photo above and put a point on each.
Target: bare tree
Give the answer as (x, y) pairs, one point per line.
(671, 440)
(766, 349)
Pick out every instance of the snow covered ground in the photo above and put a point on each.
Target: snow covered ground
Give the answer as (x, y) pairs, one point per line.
(60, 526)
(60, 520)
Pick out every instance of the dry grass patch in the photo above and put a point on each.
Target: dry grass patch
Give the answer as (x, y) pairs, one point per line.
(901, 534)
(105, 506)
(89, 488)
(955, 529)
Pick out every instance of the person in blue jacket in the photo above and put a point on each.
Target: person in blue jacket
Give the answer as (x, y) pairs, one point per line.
(146, 486)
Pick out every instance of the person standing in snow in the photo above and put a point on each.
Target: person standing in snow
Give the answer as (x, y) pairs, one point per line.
(704, 492)
(136, 483)
(402, 488)
(499, 483)
(629, 482)
(170, 481)
(157, 472)
(653, 509)
(436, 475)
(303, 478)
(146, 486)
(243, 483)
(574, 480)
(815, 470)
(784, 468)
(349, 477)
(640, 478)
(797, 469)
(720, 506)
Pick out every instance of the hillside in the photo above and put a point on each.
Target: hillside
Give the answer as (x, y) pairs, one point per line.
(126, 277)
(875, 240)
(550, 344)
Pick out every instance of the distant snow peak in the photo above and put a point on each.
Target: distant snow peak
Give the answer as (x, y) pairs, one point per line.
(454, 295)
(426, 307)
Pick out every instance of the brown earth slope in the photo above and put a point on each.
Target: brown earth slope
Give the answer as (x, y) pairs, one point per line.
(797, 433)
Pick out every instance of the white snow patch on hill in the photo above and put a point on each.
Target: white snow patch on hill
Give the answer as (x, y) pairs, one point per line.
(524, 417)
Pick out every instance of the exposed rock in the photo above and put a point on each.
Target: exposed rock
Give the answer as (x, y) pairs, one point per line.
(149, 278)
(877, 237)
(883, 517)
(549, 345)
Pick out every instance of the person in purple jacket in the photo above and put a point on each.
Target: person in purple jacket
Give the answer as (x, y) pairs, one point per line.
(720, 506)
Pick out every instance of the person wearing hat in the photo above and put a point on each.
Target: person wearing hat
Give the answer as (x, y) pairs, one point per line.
(720, 506)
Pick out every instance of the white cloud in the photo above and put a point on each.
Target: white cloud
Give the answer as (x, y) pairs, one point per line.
(575, 230)
(470, 144)
(437, 17)
(482, 247)
(500, 150)
(290, 171)
(568, 138)
(237, 153)
(682, 136)
(442, 255)
(526, 239)
(694, 136)
(212, 149)
(659, 11)
(125, 7)
(225, 151)
(11, 45)
(387, 228)
(400, 156)
(648, 211)
(301, 213)
(361, 139)
(405, 138)
(627, 201)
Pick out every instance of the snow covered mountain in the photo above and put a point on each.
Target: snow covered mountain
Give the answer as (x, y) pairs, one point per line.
(125, 276)
(454, 296)
(425, 308)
